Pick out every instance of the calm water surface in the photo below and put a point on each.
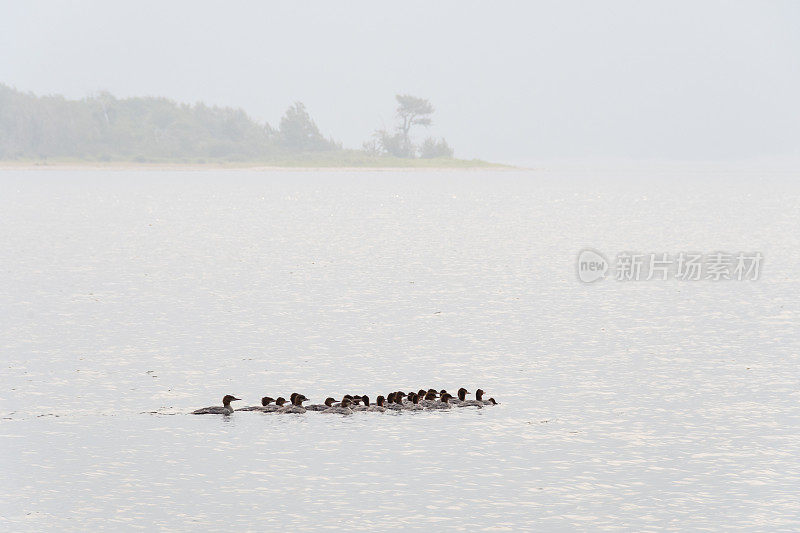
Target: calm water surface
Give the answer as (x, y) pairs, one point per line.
(130, 298)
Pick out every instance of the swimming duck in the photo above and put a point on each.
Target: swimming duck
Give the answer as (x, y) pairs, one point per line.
(279, 404)
(380, 407)
(414, 403)
(461, 397)
(265, 402)
(296, 407)
(321, 406)
(280, 401)
(391, 402)
(479, 397)
(401, 397)
(345, 397)
(224, 409)
(397, 401)
(472, 403)
(443, 403)
(363, 398)
(293, 396)
(430, 399)
(343, 409)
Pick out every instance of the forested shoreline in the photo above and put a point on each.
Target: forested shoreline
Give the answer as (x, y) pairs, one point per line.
(103, 128)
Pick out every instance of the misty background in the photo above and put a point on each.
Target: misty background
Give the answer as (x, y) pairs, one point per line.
(510, 81)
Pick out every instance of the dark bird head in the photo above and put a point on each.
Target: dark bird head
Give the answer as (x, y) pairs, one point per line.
(227, 399)
(266, 400)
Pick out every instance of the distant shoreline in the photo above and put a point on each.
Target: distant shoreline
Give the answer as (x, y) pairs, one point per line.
(419, 165)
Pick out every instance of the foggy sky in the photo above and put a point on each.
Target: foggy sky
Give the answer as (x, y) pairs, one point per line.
(511, 81)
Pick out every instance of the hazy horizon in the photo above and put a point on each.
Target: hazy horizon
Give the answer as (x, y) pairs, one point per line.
(510, 82)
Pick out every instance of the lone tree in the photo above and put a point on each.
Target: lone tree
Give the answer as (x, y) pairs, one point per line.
(411, 111)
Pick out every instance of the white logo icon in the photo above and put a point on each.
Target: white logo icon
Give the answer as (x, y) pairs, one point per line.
(591, 266)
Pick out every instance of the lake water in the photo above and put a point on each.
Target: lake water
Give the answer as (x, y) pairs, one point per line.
(129, 298)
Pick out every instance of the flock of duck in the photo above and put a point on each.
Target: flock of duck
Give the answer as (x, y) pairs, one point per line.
(394, 401)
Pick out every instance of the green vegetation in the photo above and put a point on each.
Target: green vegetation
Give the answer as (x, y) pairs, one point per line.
(298, 133)
(105, 129)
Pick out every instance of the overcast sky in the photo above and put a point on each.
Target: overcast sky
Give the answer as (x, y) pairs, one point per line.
(511, 81)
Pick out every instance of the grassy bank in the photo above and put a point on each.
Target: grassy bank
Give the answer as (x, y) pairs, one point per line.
(335, 159)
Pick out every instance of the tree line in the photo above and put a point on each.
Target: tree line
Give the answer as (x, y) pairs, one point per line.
(105, 128)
